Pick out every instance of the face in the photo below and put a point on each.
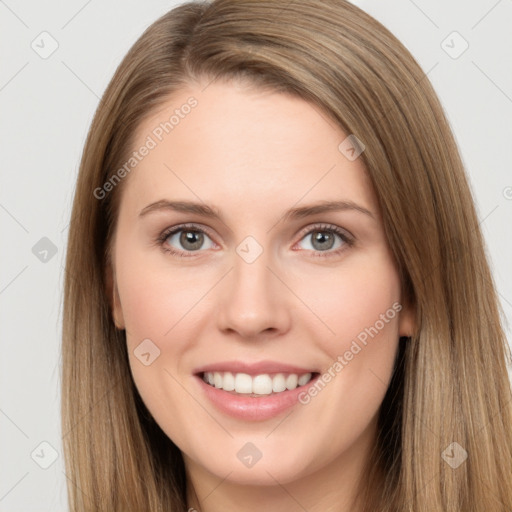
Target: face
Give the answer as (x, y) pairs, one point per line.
(250, 253)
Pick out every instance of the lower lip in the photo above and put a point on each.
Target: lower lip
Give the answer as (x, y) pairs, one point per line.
(258, 408)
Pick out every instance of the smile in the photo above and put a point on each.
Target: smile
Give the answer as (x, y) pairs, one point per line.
(256, 385)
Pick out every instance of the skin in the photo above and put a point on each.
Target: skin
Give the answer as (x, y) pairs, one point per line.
(253, 155)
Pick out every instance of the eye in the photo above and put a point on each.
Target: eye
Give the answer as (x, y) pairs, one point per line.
(326, 238)
(185, 239)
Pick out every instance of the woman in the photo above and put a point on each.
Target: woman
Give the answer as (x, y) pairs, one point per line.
(276, 291)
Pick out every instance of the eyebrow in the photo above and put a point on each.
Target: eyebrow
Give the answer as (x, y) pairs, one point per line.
(300, 212)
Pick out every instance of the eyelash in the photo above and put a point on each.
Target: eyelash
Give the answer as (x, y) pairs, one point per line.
(330, 228)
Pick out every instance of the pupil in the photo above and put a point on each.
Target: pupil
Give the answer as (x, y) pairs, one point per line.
(320, 237)
(192, 238)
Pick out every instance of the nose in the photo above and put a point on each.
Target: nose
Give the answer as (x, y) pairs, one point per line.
(254, 302)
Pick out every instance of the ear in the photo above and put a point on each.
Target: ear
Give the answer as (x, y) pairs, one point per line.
(407, 321)
(113, 297)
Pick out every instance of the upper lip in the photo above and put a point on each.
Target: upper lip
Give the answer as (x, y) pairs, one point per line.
(256, 368)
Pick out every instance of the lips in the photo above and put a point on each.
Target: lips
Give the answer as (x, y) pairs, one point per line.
(252, 407)
(253, 391)
(253, 369)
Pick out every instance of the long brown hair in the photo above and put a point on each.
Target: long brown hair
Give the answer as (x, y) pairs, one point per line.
(450, 383)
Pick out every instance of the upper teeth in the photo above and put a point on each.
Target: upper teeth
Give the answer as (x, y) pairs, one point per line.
(263, 384)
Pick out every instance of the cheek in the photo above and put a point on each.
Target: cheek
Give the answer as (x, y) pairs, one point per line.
(152, 304)
(362, 313)
(358, 297)
(162, 304)
(157, 299)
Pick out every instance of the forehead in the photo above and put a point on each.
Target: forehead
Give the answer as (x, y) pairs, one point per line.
(229, 145)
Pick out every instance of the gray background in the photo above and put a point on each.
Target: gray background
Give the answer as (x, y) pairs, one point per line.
(47, 106)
